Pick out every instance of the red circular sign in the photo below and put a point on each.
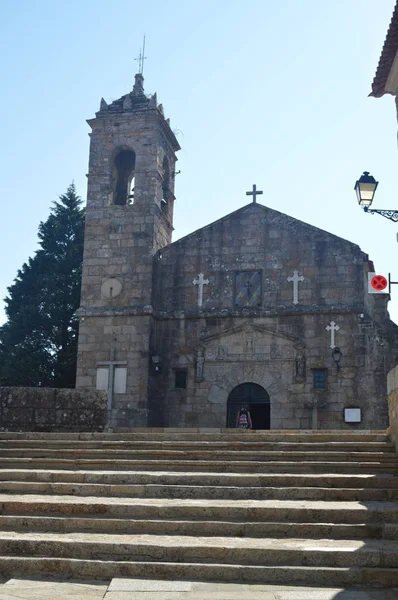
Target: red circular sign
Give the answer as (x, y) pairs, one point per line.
(378, 282)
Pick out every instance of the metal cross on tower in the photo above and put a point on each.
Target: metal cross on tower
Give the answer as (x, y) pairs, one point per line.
(254, 193)
(141, 58)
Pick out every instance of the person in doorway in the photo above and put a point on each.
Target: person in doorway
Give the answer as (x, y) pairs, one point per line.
(243, 418)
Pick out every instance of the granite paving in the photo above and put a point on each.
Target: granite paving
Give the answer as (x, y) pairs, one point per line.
(146, 589)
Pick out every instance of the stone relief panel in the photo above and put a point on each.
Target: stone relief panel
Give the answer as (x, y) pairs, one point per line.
(228, 376)
(248, 286)
(249, 353)
(251, 343)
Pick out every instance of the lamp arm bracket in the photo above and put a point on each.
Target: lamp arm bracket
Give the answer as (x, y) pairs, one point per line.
(388, 214)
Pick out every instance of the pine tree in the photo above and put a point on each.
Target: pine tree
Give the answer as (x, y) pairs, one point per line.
(38, 344)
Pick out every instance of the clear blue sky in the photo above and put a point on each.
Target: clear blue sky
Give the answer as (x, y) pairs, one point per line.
(272, 92)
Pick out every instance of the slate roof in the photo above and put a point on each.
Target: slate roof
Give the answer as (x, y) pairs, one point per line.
(387, 57)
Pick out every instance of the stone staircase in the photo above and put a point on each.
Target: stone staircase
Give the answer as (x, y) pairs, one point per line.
(258, 507)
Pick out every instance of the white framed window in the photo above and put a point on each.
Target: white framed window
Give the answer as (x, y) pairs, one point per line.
(120, 380)
(102, 378)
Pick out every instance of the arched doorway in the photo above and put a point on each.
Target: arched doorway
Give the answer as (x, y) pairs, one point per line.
(256, 398)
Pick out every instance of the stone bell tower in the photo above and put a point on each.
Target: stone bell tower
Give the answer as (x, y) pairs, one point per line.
(129, 217)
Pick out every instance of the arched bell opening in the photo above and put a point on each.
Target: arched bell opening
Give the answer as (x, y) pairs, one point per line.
(124, 164)
(256, 399)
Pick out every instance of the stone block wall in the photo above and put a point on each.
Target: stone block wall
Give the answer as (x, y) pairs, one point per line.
(265, 351)
(392, 390)
(129, 338)
(259, 239)
(51, 409)
(120, 243)
(263, 343)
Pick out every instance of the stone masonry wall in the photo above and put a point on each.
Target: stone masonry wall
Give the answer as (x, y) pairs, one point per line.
(120, 244)
(264, 344)
(129, 336)
(51, 409)
(265, 351)
(392, 390)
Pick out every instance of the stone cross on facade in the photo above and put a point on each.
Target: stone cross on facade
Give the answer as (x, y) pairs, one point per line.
(295, 279)
(200, 282)
(254, 193)
(111, 364)
(332, 328)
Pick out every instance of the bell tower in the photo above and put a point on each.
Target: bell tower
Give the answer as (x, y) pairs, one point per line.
(129, 217)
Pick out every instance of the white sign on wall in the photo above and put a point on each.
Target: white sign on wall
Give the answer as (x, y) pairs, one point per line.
(352, 415)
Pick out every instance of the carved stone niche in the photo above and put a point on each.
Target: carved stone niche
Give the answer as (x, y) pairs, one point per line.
(300, 363)
(199, 363)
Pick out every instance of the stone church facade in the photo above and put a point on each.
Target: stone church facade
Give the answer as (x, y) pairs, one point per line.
(245, 311)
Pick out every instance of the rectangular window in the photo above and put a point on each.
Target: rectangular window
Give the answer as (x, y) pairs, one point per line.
(319, 379)
(102, 378)
(180, 379)
(120, 380)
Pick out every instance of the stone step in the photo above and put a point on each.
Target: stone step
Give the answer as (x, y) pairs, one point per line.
(198, 491)
(305, 511)
(323, 480)
(208, 528)
(208, 505)
(210, 435)
(202, 455)
(335, 576)
(189, 549)
(236, 466)
(239, 445)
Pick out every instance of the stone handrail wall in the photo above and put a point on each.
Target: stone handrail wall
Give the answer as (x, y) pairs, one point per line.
(52, 409)
(392, 390)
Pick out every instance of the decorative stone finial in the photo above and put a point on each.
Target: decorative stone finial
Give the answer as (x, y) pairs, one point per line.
(103, 105)
(138, 89)
(127, 103)
(153, 101)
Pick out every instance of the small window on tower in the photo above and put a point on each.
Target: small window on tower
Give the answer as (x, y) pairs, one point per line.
(131, 192)
(319, 379)
(180, 379)
(165, 185)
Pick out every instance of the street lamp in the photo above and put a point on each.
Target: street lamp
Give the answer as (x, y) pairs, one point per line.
(336, 355)
(365, 188)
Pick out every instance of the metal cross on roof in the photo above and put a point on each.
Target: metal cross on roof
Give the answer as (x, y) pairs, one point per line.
(254, 193)
(141, 58)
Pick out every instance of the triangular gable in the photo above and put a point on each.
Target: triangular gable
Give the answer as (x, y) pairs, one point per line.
(271, 214)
